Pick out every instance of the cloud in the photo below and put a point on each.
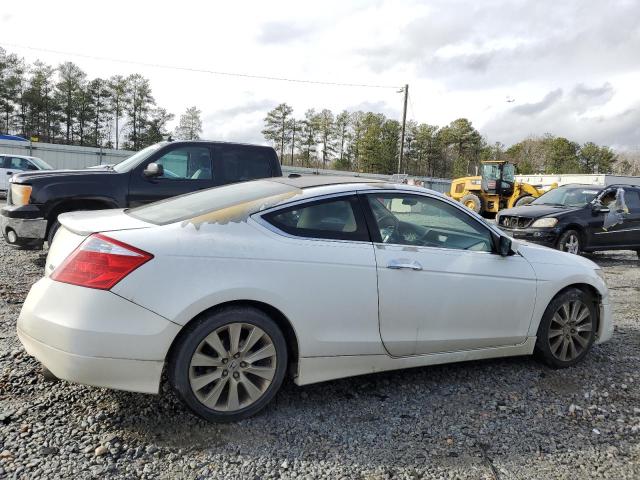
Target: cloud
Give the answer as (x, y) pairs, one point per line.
(252, 106)
(538, 107)
(498, 43)
(241, 123)
(574, 115)
(282, 32)
(376, 107)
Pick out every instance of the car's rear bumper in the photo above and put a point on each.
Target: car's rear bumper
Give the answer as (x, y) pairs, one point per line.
(23, 228)
(95, 337)
(120, 374)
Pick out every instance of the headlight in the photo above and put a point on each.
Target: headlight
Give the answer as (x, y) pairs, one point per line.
(20, 194)
(545, 223)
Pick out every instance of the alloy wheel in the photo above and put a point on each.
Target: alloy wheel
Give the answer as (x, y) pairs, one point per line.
(232, 367)
(572, 244)
(570, 330)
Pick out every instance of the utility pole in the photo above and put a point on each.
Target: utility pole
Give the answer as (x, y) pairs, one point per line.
(293, 140)
(404, 123)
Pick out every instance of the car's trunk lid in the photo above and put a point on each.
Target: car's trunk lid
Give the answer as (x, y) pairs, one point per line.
(76, 226)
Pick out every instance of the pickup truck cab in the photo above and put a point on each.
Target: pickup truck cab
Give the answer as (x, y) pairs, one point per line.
(166, 169)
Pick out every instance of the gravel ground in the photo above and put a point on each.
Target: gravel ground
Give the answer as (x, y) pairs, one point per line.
(497, 419)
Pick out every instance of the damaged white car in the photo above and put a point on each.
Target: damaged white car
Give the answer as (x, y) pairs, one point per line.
(233, 288)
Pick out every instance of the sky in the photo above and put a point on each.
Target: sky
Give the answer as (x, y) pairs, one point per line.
(571, 68)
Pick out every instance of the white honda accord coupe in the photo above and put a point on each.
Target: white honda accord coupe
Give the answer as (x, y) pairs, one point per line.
(233, 288)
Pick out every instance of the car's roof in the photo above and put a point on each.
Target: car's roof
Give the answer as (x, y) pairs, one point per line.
(308, 181)
(28, 157)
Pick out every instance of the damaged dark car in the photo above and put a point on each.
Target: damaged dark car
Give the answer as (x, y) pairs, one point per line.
(579, 218)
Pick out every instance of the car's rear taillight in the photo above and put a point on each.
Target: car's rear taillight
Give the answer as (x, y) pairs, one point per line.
(100, 262)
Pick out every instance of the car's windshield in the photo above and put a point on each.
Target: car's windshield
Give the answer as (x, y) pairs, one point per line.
(230, 203)
(41, 164)
(567, 197)
(136, 158)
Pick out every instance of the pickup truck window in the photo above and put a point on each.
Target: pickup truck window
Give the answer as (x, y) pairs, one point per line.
(240, 163)
(137, 158)
(187, 163)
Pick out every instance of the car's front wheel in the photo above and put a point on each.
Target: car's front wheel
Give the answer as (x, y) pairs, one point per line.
(567, 329)
(569, 242)
(229, 364)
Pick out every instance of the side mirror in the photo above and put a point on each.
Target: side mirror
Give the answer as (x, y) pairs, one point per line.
(596, 207)
(153, 170)
(506, 246)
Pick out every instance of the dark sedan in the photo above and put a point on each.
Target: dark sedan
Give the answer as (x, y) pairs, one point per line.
(579, 218)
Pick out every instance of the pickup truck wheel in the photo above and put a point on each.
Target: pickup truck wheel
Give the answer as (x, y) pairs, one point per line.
(52, 231)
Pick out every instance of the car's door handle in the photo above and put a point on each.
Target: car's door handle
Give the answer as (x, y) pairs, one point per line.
(401, 263)
(9, 173)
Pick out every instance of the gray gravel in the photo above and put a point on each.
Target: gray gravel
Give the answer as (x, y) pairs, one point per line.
(506, 419)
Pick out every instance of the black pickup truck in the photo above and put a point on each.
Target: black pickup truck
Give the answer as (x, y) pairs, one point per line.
(166, 169)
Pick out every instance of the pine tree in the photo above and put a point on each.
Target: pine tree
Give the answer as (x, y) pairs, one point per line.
(278, 127)
(68, 92)
(190, 126)
(138, 104)
(117, 89)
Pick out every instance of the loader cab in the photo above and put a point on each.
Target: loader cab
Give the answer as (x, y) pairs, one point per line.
(498, 178)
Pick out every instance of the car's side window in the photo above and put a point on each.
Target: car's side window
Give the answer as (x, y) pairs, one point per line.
(17, 163)
(4, 162)
(416, 220)
(632, 198)
(335, 218)
(187, 163)
(28, 165)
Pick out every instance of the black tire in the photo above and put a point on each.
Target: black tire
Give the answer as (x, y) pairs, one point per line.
(526, 200)
(545, 345)
(52, 231)
(179, 364)
(472, 202)
(567, 242)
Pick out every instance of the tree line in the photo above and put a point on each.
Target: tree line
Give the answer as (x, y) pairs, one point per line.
(370, 142)
(62, 105)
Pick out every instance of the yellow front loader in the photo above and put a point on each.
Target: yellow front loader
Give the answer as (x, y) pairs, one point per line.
(495, 189)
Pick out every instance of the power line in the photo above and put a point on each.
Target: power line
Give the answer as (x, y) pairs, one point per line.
(196, 70)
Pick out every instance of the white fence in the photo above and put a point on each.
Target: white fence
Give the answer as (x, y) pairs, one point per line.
(73, 157)
(65, 156)
(437, 184)
(541, 180)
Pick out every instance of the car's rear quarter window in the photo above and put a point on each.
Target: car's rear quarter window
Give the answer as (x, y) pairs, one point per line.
(216, 205)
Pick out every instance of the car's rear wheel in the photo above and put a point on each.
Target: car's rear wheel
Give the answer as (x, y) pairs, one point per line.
(570, 242)
(229, 364)
(567, 329)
